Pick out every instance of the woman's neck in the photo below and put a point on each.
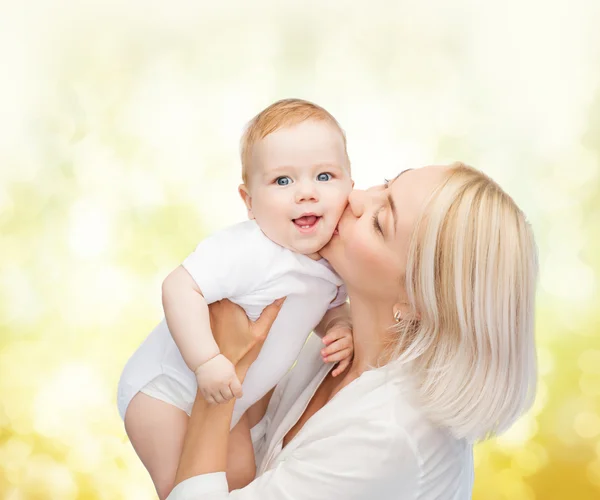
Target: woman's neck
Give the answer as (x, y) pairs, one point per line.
(370, 323)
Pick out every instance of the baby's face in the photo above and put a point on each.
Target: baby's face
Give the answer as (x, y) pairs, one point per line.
(298, 185)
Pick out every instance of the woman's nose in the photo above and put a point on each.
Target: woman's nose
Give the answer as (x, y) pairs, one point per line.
(360, 200)
(357, 201)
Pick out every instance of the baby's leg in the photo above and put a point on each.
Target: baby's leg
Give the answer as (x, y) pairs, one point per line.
(241, 466)
(156, 430)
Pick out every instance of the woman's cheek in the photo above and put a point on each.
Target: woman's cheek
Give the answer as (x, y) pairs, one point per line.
(361, 249)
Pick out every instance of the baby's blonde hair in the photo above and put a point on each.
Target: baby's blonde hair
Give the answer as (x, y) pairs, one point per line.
(471, 274)
(283, 113)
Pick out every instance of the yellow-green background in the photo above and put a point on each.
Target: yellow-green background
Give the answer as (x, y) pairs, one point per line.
(119, 129)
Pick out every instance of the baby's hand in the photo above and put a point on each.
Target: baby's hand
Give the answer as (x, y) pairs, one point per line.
(340, 347)
(217, 380)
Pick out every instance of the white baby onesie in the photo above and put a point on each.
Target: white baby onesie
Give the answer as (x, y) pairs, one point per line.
(241, 264)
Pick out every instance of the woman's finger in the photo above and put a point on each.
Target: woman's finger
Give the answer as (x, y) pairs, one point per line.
(263, 324)
(337, 356)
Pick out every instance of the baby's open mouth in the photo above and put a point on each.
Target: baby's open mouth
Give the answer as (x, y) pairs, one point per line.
(306, 222)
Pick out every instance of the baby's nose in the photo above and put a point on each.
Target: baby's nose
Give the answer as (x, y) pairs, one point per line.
(306, 192)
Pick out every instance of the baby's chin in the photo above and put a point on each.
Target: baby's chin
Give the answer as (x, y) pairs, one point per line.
(309, 248)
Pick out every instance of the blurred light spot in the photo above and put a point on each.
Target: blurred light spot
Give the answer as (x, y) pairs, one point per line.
(589, 384)
(135, 490)
(521, 432)
(593, 472)
(64, 402)
(23, 303)
(541, 399)
(48, 479)
(14, 494)
(563, 418)
(14, 454)
(545, 361)
(167, 113)
(530, 459)
(570, 182)
(86, 456)
(89, 229)
(589, 361)
(112, 287)
(146, 189)
(511, 484)
(587, 425)
(237, 111)
(567, 277)
(6, 203)
(99, 171)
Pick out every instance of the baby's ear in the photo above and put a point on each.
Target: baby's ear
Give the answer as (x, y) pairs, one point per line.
(247, 199)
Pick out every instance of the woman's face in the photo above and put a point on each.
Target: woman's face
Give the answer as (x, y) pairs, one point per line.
(370, 250)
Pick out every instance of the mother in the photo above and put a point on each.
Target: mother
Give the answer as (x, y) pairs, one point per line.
(440, 266)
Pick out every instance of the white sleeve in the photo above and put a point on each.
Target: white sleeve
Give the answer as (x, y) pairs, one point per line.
(227, 264)
(340, 298)
(359, 463)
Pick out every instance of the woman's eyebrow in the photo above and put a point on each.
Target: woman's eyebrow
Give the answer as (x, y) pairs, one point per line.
(391, 201)
(393, 207)
(394, 179)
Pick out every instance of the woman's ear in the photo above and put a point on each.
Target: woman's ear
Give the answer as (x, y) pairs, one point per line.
(247, 199)
(401, 310)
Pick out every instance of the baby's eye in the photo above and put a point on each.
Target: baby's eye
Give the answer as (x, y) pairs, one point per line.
(324, 176)
(283, 180)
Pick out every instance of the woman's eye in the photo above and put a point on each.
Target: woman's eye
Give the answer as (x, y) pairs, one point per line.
(324, 176)
(283, 181)
(376, 224)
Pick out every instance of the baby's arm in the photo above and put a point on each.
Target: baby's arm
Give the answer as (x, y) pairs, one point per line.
(337, 316)
(186, 312)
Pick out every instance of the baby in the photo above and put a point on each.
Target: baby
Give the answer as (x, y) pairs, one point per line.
(296, 182)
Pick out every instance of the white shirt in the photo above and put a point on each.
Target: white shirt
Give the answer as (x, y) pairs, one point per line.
(370, 442)
(241, 264)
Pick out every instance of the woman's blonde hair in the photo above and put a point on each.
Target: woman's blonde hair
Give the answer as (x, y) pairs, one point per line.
(471, 275)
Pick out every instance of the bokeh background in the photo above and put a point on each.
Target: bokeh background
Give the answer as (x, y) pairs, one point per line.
(119, 130)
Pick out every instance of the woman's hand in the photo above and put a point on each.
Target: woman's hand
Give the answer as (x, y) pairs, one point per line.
(238, 338)
(207, 435)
